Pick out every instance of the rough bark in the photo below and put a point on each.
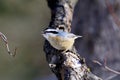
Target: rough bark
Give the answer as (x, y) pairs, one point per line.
(66, 65)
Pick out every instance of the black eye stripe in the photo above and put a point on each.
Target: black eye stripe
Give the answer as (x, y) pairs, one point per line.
(54, 32)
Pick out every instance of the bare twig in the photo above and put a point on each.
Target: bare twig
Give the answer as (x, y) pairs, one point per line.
(109, 69)
(4, 38)
(106, 67)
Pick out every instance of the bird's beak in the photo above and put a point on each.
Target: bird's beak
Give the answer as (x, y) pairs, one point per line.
(78, 37)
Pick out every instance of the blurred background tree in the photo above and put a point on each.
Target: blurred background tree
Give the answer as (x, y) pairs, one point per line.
(98, 22)
(22, 21)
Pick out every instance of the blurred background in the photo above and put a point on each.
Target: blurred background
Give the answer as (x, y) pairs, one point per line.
(23, 20)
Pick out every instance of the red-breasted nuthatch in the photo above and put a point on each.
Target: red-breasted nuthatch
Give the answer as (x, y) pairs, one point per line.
(59, 39)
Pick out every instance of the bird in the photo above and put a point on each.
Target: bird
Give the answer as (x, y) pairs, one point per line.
(59, 39)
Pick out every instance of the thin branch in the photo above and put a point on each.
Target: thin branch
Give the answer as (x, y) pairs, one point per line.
(4, 38)
(109, 69)
(106, 67)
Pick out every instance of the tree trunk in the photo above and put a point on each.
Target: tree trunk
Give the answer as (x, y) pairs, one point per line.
(66, 65)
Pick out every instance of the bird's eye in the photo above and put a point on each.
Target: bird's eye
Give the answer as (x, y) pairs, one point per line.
(54, 32)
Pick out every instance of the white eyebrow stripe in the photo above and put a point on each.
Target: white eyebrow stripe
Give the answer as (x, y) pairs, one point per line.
(51, 30)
